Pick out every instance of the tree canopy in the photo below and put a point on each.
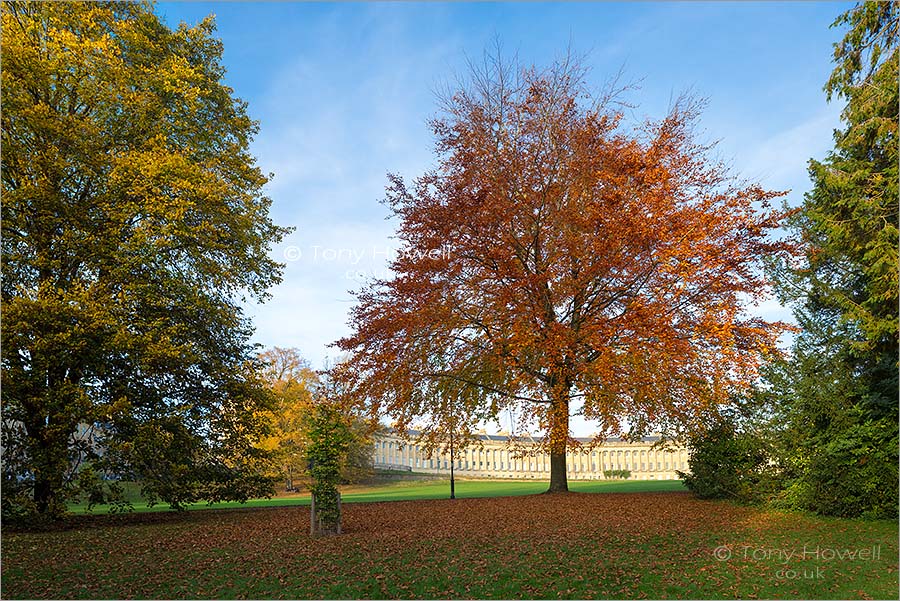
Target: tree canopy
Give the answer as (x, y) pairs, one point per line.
(850, 217)
(292, 382)
(134, 224)
(557, 254)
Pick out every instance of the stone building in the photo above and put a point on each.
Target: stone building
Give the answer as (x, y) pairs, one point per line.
(492, 457)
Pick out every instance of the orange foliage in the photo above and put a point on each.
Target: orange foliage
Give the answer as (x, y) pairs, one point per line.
(579, 259)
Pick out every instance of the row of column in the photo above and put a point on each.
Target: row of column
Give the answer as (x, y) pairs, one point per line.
(393, 452)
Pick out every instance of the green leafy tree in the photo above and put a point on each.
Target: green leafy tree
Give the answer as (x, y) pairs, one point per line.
(133, 225)
(850, 218)
(838, 395)
(329, 440)
(835, 455)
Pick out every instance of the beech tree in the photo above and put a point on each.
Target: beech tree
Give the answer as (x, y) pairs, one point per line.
(557, 255)
(292, 382)
(133, 224)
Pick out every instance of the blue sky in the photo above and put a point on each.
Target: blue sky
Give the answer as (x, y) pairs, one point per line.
(342, 92)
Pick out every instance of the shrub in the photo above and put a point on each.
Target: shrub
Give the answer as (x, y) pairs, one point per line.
(727, 463)
(617, 474)
(852, 473)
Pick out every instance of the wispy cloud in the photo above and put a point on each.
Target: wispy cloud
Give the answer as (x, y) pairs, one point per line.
(780, 161)
(334, 122)
(342, 93)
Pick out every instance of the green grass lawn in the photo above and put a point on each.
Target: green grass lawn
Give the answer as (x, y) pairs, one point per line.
(579, 545)
(422, 489)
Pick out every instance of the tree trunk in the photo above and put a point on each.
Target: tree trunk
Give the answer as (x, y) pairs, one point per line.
(49, 474)
(48, 451)
(558, 481)
(559, 435)
(452, 458)
(43, 493)
(325, 525)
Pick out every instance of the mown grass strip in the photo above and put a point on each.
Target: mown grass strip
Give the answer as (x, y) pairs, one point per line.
(421, 490)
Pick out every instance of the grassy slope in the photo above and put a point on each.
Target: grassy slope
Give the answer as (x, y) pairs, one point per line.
(428, 489)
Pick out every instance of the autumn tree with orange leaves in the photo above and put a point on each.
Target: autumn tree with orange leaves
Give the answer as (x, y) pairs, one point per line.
(556, 255)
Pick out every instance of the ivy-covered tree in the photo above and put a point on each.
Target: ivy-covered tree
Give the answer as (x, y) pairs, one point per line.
(838, 395)
(329, 433)
(133, 224)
